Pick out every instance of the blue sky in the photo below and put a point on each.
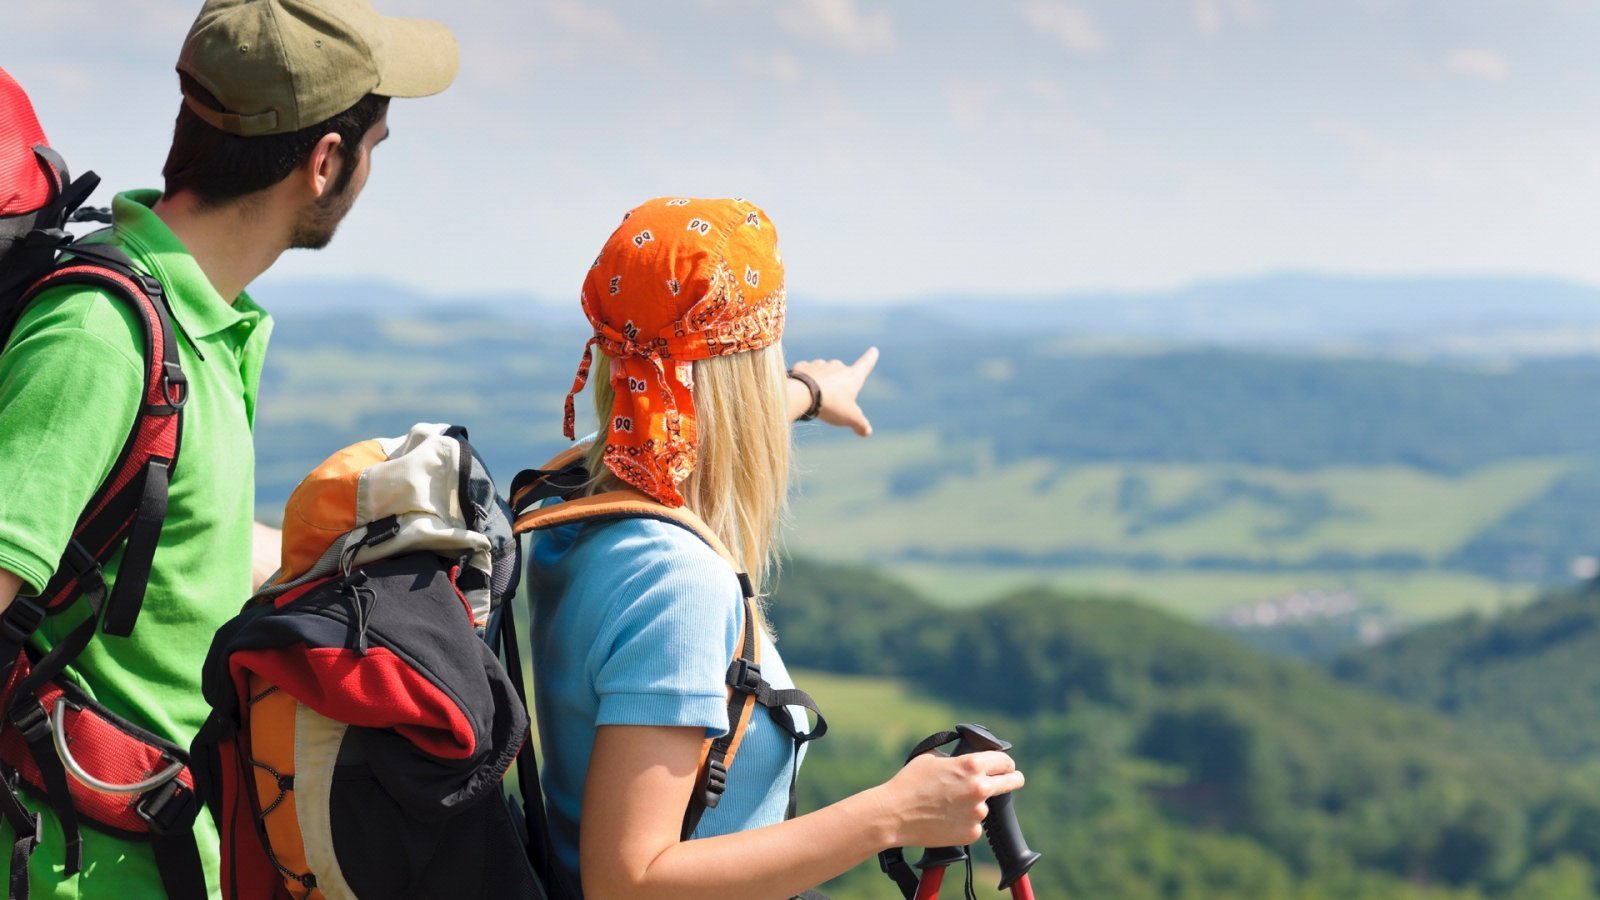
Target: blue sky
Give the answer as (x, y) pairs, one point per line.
(909, 148)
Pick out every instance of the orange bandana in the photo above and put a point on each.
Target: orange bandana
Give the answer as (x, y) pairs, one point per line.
(679, 280)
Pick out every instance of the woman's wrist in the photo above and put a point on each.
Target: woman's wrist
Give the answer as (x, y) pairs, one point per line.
(814, 391)
(881, 820)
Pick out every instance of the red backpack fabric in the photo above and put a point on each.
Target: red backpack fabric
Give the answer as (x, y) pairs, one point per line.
(93, 768)
(24, 187)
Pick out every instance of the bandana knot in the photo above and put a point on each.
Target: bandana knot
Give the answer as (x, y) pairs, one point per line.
(680, 280)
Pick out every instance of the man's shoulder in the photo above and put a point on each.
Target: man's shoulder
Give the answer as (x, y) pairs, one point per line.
(75, 314)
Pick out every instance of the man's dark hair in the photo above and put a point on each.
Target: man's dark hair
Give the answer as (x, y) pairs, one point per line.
(218, 167)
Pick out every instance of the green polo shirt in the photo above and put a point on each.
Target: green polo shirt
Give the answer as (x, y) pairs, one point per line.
(71, 380)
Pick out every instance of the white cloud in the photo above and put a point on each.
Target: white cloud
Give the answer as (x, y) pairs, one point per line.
(1211, 16)
(565, 31)
(780, 67)
(1478, 62)
(969, 104)
(839, 22)
(1385, 159)
(143, 25)
(1071, 25)
(586, 21)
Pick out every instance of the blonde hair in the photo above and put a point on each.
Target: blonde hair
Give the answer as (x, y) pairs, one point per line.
(740, 482)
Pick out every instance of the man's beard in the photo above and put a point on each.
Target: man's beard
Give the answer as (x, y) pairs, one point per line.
(319, 220)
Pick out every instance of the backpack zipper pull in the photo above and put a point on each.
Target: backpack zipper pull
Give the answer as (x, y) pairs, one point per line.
(362, 599)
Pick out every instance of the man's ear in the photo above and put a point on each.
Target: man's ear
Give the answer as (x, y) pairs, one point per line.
(321, 168)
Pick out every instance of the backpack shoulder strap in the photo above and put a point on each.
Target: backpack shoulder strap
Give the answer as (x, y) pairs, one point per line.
(744, 681)
(131, 503)
(622, 504)
(129, 507)
(127, 510)
(563, 476)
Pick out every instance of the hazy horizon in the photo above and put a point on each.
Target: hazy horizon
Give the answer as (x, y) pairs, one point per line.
(1027, 147)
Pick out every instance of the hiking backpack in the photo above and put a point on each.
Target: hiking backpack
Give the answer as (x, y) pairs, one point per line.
(92, 767)
(361, 724)
(565, 477)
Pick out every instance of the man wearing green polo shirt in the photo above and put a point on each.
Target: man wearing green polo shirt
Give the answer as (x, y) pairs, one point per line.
(283, 103)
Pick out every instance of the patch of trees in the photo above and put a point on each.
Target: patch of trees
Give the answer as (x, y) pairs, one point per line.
(1166, 760)
(1529, 678)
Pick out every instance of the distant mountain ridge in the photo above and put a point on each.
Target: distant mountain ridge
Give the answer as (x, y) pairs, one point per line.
(1446, 314)
(1303, 309)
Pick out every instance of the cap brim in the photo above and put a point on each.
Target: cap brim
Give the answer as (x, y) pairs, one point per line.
(420, 57)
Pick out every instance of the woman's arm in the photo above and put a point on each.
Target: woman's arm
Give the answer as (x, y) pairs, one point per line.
(10, 584)
(639, 782)
(840, 383)
(266, 554)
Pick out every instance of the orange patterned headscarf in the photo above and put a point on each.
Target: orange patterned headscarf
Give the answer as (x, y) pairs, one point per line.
(679, 280)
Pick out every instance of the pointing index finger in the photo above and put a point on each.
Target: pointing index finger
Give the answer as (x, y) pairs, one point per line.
(866, 361)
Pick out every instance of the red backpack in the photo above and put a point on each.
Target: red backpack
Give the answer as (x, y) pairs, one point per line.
(93, 768)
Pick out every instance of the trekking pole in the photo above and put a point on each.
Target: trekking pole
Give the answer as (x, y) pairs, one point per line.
(999, 826)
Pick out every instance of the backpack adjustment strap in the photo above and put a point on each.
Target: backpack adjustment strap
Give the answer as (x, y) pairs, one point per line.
(716, 782)
(892, 862)
(744, 677)
(150, 285)
(48, 238)
(27, 840)
(170, 811)
(31, 720)
(20, 620)
(138, 553)
(82, 563)
(169, 808)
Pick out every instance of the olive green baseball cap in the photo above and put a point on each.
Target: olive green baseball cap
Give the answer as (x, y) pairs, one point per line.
(277, 66)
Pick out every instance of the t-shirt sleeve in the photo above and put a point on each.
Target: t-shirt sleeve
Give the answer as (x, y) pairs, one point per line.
(71, 382)
(663, 657)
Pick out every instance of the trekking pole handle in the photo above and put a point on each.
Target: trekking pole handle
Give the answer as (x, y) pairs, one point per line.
(1000, 825)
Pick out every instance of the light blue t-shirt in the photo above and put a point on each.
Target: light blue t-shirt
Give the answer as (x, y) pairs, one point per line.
(634, 623)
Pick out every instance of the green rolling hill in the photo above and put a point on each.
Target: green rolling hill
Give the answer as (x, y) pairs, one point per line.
(1166, 760)
(1206, 481)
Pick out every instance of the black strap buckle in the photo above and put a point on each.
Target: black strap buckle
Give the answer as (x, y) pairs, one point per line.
(745, 677)
(169, 808)
(32, 722)
(716, 782)
(51, 238)
(21, 619)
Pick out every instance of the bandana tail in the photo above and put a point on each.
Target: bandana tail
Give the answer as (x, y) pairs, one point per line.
(569, 416)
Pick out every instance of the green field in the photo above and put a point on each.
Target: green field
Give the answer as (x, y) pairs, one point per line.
(885, 714)
(1197, 481)
(1196, 539)
(1409, 597)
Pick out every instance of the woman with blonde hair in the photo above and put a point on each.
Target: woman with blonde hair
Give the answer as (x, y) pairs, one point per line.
(636, 618)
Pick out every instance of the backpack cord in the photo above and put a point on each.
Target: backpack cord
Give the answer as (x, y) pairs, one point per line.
(539, 849)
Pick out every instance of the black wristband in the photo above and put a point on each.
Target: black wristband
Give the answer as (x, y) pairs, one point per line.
(816, 394)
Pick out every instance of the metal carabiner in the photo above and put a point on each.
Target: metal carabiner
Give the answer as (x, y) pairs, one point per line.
(58, 733)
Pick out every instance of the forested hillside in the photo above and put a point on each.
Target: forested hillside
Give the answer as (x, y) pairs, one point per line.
(1165, 760)
(1530, 678)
